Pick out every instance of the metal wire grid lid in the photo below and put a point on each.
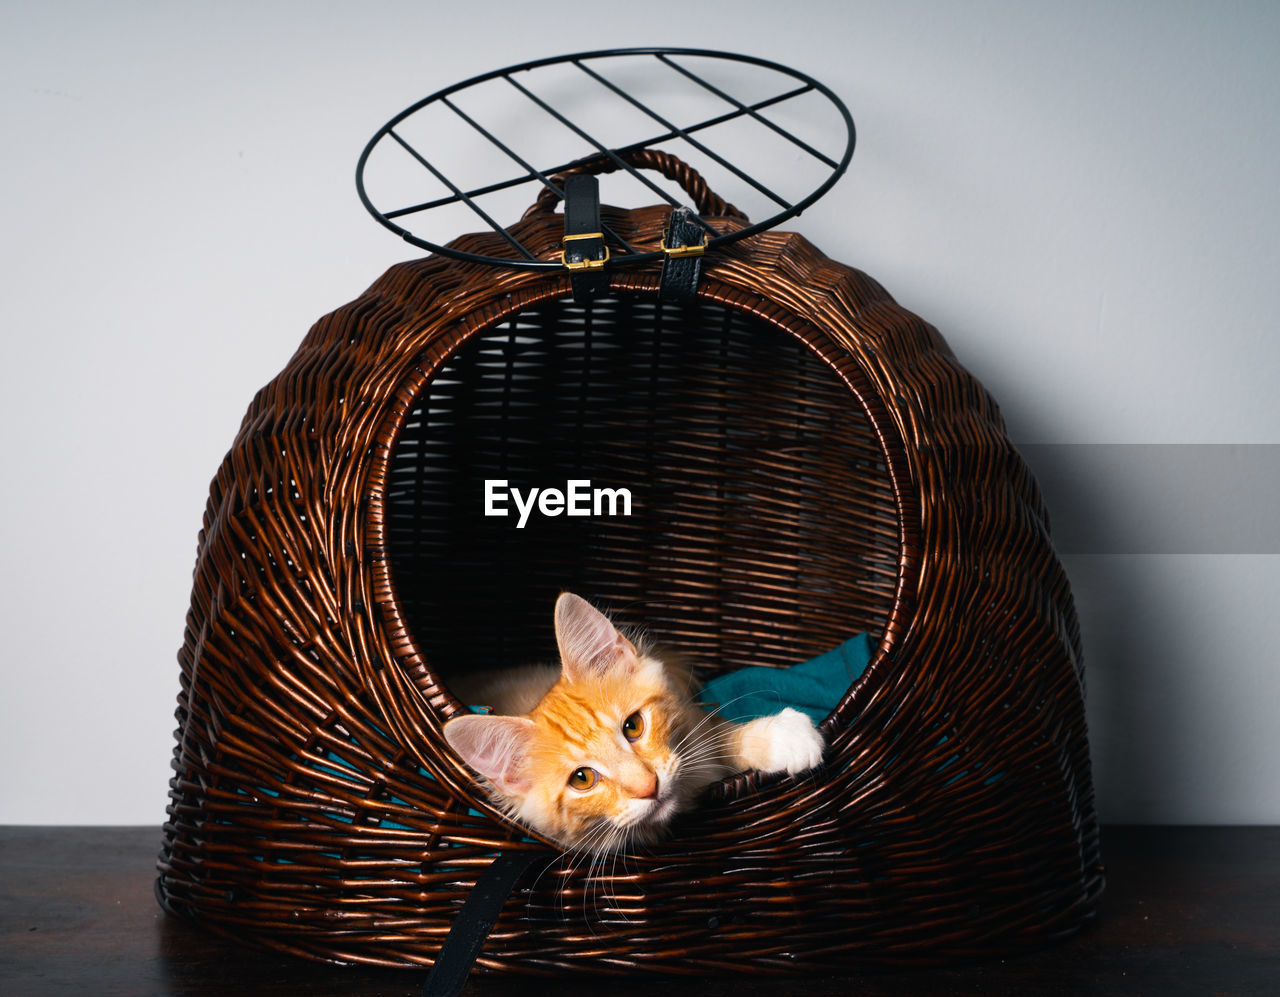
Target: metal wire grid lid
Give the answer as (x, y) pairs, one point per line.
(490, 144)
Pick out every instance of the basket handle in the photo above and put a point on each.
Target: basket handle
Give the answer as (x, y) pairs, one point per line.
(707, 201)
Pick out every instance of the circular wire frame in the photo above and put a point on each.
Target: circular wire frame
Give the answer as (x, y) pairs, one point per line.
(693, 148)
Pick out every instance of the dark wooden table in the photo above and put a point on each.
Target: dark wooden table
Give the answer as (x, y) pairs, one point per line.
(1187, 911)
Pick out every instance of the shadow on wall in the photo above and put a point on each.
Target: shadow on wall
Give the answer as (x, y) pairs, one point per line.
(1152, 538)
(1119, 499)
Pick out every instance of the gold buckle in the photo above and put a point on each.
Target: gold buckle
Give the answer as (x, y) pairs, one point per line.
(586, 264)
(695, 250)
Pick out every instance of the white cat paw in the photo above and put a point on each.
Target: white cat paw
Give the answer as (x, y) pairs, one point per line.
(785, 742)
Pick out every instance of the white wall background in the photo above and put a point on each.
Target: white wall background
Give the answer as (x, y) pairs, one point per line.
(1082, 196)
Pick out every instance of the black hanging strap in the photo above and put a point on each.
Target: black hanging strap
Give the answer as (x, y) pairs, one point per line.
(683, 244)
(585, 252)
(476, 919)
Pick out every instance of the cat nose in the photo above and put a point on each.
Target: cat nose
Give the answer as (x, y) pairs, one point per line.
(646, 787)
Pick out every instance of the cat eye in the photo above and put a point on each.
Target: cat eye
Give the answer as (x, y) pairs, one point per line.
(583, 779)
(633, 726)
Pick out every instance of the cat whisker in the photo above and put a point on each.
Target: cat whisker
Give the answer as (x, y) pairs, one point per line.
(709, 718)
(586, 853)
(712, 717)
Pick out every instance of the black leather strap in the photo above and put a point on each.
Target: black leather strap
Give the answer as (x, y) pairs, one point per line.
(683, 244)
(476, 919)
(585, 251)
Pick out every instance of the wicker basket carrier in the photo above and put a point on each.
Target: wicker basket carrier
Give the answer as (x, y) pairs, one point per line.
(808, 460)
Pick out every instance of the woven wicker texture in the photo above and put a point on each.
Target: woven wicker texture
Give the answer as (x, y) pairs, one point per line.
(807, 460)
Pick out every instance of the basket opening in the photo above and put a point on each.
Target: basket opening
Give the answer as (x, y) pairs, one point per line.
(762, 529)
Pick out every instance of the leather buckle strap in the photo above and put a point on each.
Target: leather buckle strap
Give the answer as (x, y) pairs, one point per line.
(584, 250)
(683, 244)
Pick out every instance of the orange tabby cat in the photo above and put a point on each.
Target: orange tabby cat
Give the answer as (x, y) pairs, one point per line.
(602, 752)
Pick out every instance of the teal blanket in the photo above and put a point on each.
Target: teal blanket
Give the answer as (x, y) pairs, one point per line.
(814, 687)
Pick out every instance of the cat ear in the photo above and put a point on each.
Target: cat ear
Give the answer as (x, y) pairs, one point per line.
(495, 746)
(589, 644)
